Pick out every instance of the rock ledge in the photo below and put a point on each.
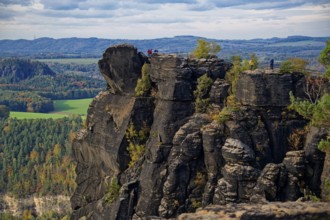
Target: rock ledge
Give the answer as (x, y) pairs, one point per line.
(270, 211)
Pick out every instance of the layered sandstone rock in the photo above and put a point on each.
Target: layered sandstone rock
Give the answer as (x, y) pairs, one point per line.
(270, 211)
(190, 159)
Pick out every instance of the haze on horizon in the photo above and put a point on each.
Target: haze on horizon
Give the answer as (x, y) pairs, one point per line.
(146, 19)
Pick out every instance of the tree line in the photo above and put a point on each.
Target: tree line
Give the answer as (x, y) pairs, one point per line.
(35, 156)
(30, 86)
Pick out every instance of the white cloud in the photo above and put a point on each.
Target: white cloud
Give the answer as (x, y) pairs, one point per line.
(154, 18)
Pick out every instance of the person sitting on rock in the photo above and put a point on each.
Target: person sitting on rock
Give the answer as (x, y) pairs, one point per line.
(251, 63)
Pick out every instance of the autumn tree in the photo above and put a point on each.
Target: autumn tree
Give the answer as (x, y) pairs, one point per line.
(202, 101)
(206, 49)
(143, 85)
(317, 107)
(232, 75)
(254, 60)
(293, 65)
(325, 59)
(36, 158)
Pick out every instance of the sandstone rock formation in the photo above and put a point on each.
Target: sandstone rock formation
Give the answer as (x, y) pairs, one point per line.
(260, 89)
(271, 211)
(190, 160)
(38, 205)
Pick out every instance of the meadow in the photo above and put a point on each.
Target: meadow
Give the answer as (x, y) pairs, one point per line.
(63, 108)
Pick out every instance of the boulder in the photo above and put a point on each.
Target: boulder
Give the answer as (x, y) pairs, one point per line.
(239, 177)
(219, 92)
(172, 76)
(214, 67)
(121, 67)
(295, 163)
(270, 182)
(235, 151)
(255, 88)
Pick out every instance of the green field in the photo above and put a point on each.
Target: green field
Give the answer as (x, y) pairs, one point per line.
(32, 115)
(63, 108)
(71, 60)
(70, 107)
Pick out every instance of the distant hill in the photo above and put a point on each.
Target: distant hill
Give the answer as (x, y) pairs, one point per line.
(302, 46)
(88, 47)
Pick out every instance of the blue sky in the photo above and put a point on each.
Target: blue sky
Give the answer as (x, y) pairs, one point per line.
(146, 19)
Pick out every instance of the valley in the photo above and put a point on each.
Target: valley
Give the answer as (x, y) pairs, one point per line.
(36, 167)
(62, 108)
(47, 138)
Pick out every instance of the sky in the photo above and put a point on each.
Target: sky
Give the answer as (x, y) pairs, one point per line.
(148, 19)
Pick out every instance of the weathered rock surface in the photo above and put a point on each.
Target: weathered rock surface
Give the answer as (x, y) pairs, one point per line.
(259, 89)
(215, 68)
(269, 211)
(121, 67)
(190, 160)
(318, 164)
(239, 176)
(219, 92)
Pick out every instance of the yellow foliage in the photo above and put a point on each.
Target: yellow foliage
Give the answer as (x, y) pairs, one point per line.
(135, 151)
(57, 150)
(202, 103)
(6, 129)
(72, 136)
(143, 85)
(67, 217)
(199, 179)
(48, 156)
(224, 115)
(293, 65)
(296, 139)
(231, 101)
(112, 191)
(195, 203)
(136, 140)
(27, 215)
(205, 49)
(33, 155)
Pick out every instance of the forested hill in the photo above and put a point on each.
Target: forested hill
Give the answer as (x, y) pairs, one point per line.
(15, 70)
(280, 48)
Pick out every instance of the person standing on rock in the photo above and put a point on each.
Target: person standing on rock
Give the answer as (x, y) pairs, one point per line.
(251, 63)
(271, 64)
(149, 52)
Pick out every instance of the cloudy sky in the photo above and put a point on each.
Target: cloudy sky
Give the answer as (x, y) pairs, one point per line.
(145, 19)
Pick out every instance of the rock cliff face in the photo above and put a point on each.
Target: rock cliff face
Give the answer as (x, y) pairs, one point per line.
(38, 205)
(190, 160)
